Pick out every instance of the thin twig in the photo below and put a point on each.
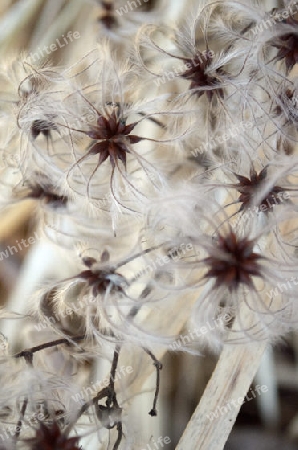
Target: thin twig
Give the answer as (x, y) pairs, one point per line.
(20, 421)
(158, 366)
(105, 413)
(29, 352)
(114, 366)
(120, 435)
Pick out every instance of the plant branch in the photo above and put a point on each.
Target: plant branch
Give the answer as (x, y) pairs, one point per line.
(214, 417)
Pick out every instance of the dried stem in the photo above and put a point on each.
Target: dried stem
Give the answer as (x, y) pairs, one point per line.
(158, 367)
(29, 352)
(214, 417)
(105, 413)
(20, 421)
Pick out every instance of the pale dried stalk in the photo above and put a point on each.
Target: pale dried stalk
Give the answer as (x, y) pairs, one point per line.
(268, 405)
(230, 381)
(4, 5)
(47, 16)
(62, 23)
(15, 17)
(14, 217)
(42, 261)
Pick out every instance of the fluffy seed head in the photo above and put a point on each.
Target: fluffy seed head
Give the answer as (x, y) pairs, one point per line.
(287, 45)
(249, 186)
(50, 438)
(198, 75)
(107, 17)
(44, 191)
(234, 263)
(112, 134)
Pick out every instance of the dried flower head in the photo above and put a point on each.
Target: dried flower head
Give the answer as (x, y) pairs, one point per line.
(103, 126)
(107, 16)
(286, 42)
(197, 72)
(113, 137)
(230, 266)
(119, 20)
(49, 437)
(44, 191)
(235, 262)
(43, 127)
(249, 187)
(201, 68)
